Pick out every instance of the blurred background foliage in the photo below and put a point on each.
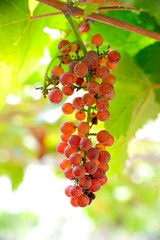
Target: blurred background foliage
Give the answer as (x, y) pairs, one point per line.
(29, 124)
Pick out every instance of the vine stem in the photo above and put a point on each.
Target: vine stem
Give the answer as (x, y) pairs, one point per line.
(76, 32)
(75, 11)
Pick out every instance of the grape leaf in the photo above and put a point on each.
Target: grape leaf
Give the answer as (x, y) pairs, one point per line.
(149, 59)
(153, 7)
(130, 89)
(90, 8)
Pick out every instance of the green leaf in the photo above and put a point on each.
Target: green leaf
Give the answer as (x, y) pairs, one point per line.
(153, 7)
(14, 170)
(149, 59)
(90, 8)
(130, 86)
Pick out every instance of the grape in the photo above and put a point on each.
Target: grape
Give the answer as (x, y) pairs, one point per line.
(102, 103)
(104, 156)
(68, 173)
(65, 164)
(80, 115)
(95, 185)
(103, 166)
(106, 88)
(68, 127)
(75, 191)
(75, 159)
(81, 70)
(102, 72)
(55, 95)
(110, 79)
(65, 137)
(68, 91)
(77, 103)
(83, 127)
(103, 115)
(112, 66)
(103, 181)
(86, 160)
(67, 108)
(91, 167)
(85, 182)
(75, 47)
(67, 79)
(99, 174)
(79, 81)
(97, 40)
(92, 55)
(73, 202)
(85, 144)
(79, 171)
(83, 200)
(103, 136)
(88, 99)
(69, 150)
(57, 70)
(93, 87)
(67, 192)
(92, 154)
(62, 44)
(61, 146)
(72, 65)
(110, 141)
(74, 140)
(113, 57)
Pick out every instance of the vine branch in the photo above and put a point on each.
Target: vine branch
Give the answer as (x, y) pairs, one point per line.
(74, 11)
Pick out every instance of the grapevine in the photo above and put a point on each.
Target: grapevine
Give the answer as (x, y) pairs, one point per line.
(85, 150)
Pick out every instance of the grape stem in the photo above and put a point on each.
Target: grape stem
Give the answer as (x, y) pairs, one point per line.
(76, 32)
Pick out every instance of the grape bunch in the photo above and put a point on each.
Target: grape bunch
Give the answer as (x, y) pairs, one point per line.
(86, 159)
